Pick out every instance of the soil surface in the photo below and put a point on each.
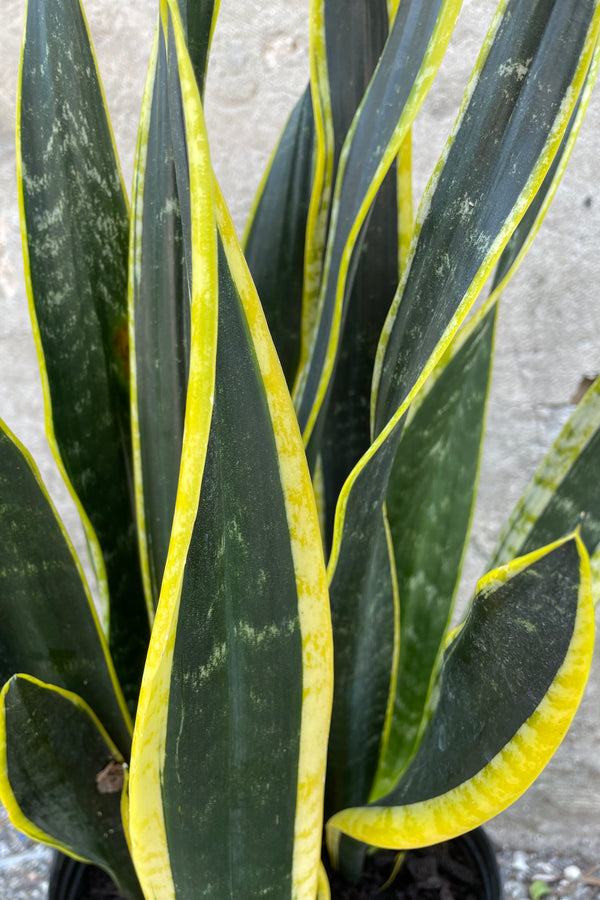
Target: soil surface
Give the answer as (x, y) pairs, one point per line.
(434, 873)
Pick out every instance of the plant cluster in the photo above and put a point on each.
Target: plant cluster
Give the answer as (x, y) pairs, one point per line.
(274, 451)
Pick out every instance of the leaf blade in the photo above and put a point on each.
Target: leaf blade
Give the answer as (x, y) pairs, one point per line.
(211, 542)
(74, 220)
(517, 740)
(50, 628)
(42, 732)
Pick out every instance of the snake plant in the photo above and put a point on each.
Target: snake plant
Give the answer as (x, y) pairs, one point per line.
(274, 451)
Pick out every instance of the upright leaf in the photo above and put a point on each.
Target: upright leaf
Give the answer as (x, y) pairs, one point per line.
(159, 322)
(74, 220)
(199, 18)
(232, 728)
(412, 54)
(465, 220)
(274, 243)
(354, 45)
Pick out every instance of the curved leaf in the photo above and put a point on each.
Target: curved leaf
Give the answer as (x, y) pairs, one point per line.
(527, 643)
(74, 220)
(427, 581)
(49, 626)
(358, 586)
(61, 777)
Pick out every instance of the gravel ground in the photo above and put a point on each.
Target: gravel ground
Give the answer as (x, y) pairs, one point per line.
(546, 875)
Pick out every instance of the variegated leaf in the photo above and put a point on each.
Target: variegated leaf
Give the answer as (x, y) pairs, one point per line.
(74, 220)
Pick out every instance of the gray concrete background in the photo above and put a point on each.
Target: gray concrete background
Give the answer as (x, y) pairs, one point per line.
(549, 328)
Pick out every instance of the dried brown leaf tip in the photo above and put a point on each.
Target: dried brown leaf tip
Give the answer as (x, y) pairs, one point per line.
(584, 386)
(110, 779)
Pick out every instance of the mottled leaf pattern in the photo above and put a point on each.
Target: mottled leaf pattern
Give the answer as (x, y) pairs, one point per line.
(74, 220)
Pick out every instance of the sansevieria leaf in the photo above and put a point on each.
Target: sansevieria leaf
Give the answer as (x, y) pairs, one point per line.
(74, 220)
(441, 443)
(198, 18)
(527, 644)
(430, 306)
(274, 243)
(49, 626)
(229, 748)
(341, 435)
(159, 323)
(61, 777)
(429, 508)
(404, 74)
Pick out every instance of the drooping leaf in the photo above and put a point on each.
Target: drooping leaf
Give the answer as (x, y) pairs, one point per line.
(61, 777)
(49, 626)
(362, 584)
(232, 727)
(74, 220)
(527, 644)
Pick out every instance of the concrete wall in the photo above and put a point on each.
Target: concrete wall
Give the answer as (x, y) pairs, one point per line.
(549, 329)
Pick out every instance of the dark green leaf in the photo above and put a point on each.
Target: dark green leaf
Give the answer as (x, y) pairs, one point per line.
(75, 225)
(527, 644)
(49, 627)
(198, 18)
(274, 244)
(497, 153)
(406, 68)
(61, 777)
(429, 506)
(160, 313)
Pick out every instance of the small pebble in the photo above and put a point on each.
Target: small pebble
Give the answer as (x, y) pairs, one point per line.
(520, 861)
(547, 868)
(572, 873)
(546, 877)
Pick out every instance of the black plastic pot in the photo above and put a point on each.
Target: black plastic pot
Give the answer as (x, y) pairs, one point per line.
(74, 880)
(71, 880)
(478, 849)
